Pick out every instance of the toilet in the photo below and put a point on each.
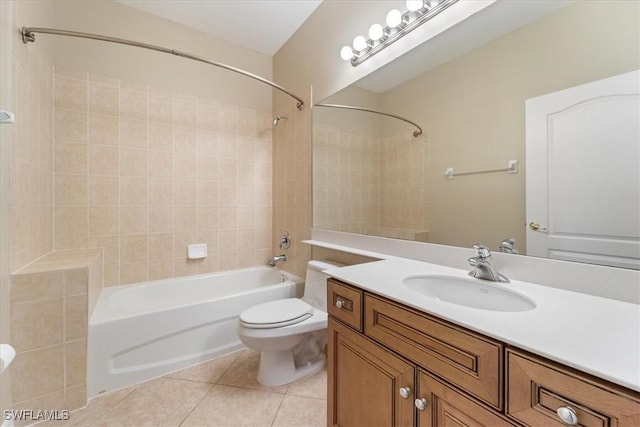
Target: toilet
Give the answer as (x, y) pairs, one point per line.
(290, 333)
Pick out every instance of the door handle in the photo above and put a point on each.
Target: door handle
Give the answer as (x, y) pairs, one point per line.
(535, 226)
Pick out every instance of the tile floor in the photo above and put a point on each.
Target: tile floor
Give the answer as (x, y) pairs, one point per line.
(220, 393)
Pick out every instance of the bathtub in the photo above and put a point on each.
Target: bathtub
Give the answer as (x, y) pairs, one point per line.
(145, 330)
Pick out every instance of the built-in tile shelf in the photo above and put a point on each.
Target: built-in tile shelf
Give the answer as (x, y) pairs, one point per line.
(51, 300)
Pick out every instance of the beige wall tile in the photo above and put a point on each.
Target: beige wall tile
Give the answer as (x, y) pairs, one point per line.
(186, 218)
(104, 190)
(160, 164)
(112, 275)
(76, 281)
(75, 355)
(134, 273)
(185, 192)
(75, 317)
(134, 190)
(207, 115)
(161, 218)
(133, 104)
(104, 220)
(70, 158)
(36, 324)
(134, 162)
(160, 136)
(104, 129)
(207, 218)
(70, 227)
(40, 371)
(70, 126)
(160, 109)
(37, 286)
(207, 143)
(103, 99)
(134, 219)
(185, 165)
(70, 93)
(133, 249)
(103, 160)
(160, 246)
(133, 133)
(160, 269)
(160, 191)
(185, 140)
(110, 246)
(75, 397)
(70, 190)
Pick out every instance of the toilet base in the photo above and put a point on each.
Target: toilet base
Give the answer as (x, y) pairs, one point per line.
(279, 368)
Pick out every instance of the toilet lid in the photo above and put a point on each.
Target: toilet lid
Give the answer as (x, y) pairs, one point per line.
(275, 314)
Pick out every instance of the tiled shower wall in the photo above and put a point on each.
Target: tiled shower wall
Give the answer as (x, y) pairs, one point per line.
(143, 172)
(404, 186)
(370, 184)
(346, 179)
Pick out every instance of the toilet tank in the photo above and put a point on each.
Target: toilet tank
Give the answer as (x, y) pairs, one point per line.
(315, 286)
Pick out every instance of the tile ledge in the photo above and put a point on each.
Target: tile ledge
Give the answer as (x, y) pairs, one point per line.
(61, 260)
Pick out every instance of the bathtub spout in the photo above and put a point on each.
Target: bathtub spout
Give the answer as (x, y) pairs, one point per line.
(272, 261)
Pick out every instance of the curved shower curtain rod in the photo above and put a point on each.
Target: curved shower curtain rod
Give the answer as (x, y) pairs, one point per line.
(416, 133)
(29, 36)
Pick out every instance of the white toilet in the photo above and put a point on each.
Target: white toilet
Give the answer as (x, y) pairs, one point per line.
(290, 333)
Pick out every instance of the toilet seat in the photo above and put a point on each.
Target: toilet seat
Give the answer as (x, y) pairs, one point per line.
(276, 314)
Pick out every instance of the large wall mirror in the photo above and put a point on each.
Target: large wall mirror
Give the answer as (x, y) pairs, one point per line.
(466, 89)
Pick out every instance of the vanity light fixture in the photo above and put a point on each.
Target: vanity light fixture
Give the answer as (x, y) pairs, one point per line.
(398, 24)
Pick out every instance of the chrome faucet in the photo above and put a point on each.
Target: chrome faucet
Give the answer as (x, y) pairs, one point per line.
(482, 268)
(272, 261)
(508, 246)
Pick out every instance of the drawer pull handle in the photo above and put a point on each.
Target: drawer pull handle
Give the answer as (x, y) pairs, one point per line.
(339, 303)
(568, 415)
(421, 404)
(405, 392)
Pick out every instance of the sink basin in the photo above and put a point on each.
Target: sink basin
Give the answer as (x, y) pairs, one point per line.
(473, 293)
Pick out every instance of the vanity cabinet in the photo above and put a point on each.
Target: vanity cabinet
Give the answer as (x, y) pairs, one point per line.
(391, 365)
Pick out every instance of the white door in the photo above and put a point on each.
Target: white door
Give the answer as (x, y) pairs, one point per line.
(583, 173)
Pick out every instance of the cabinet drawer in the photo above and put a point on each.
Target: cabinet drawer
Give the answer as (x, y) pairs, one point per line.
(537, 388)
(468, 360)
(345, 303)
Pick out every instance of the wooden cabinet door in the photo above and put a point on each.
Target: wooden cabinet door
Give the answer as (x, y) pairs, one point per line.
(446, 407)
(364, 382)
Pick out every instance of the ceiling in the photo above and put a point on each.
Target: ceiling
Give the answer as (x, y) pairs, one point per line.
(261, 25)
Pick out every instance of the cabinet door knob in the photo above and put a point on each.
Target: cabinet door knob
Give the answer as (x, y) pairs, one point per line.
(421, 404)
(339, 303)
(405, 392)
(568, 415)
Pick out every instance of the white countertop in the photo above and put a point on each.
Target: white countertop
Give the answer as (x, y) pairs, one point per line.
(596, 335)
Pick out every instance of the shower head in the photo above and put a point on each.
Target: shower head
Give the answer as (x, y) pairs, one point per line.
(278, 118)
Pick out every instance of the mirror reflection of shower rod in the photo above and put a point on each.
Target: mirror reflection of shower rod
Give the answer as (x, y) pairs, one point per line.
(28, 35)
(416, 133)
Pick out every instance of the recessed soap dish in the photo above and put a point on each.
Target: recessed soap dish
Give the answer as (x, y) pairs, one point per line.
(7, 117)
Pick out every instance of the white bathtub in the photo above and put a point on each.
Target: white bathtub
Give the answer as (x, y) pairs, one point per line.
(142, 331)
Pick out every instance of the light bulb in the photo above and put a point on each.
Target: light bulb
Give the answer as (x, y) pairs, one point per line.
(359, 43)
(375, 32)
(394, 18)
(346, 53)
(413, 5)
